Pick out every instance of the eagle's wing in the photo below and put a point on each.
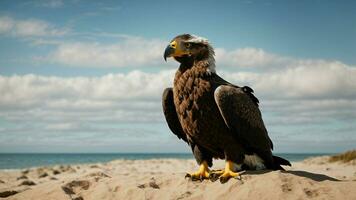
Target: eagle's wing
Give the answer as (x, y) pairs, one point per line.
(170, 113)
(241, 114)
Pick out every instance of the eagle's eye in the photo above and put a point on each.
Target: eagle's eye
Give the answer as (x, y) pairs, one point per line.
(187, 45)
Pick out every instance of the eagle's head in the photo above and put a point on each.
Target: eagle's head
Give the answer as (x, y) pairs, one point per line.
(189, 49)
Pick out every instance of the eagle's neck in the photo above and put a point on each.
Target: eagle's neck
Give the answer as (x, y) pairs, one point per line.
(210, 60)
(194, 70)
(205, 59)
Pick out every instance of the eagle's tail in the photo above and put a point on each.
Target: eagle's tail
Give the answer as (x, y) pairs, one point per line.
(278, 161)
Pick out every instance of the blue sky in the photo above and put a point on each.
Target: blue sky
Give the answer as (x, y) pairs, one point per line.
(87, 76)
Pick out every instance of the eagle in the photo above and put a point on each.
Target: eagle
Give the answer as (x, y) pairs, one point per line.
(217, 119)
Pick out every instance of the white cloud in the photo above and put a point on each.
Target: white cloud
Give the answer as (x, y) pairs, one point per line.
(44, 110)
(28, 28)
(6, 24)
(53, 3)
(249, 57)
(129, 51)
(304, 80)
(121, 97)
(46, 3)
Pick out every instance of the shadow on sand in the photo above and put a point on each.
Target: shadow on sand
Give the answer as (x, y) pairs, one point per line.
(313, 176)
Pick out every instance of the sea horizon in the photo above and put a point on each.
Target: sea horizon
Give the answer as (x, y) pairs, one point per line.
(10, 161)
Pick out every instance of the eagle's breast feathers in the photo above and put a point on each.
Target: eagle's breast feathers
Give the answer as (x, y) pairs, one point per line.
(191, 90)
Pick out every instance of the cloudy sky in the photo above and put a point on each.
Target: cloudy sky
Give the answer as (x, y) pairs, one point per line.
(87, 76)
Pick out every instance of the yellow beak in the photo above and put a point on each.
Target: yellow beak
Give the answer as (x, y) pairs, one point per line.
(173, 50)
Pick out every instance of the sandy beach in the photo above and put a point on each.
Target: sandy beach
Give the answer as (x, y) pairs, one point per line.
(314, 178)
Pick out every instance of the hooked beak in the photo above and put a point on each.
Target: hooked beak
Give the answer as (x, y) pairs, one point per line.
(168, 52)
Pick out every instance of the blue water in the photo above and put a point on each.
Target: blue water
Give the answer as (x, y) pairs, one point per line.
(26, 160)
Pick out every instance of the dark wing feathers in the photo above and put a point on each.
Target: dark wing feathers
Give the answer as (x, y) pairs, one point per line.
(170, 113)
(249, 92)
(238, 107)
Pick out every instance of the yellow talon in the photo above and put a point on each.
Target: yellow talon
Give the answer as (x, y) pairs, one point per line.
(201, 174)
(226, 174)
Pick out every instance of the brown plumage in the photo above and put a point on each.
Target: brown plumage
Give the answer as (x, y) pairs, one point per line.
(216, 118)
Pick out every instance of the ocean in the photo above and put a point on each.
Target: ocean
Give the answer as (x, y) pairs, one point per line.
(26, 160)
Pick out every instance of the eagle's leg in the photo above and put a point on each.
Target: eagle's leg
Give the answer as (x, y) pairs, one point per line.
(201, 174)
(204, 161)
(226, 174)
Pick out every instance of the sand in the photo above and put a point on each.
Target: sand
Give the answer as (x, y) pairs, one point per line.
(164, 179)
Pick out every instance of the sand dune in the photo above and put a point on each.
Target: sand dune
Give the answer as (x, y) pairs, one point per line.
(164, 179)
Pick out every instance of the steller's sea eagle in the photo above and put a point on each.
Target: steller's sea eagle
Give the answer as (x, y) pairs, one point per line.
(216, 118)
